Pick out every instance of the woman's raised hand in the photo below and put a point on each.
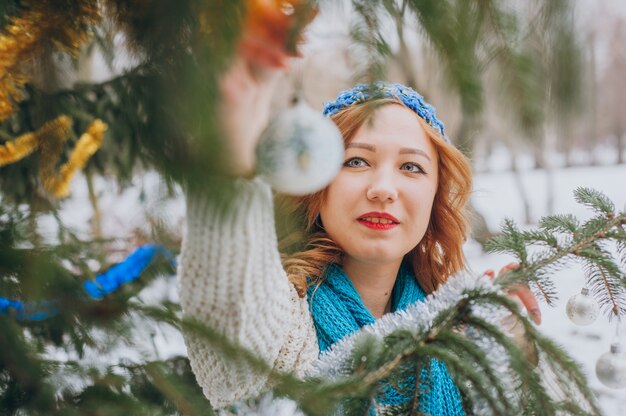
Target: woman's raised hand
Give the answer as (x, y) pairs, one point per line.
(520, 293)
(524, 297)
(246, 93)
(272, 29)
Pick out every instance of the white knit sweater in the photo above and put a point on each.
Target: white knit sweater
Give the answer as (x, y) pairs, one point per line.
(231, 278)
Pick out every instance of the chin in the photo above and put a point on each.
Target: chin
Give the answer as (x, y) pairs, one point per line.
(376, 254)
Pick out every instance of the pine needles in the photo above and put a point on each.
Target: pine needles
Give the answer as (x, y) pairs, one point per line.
(562, 238)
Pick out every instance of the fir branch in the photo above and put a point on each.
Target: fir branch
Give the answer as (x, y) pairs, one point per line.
(228, 348)
(306, 393)
(430, 343)
(464, 372)
(560, 223)
(468, 349)
(436, 341)
(621, 248)
(509, 241)
(570, 377)
(540, 236)
(388, 367)
(388, 359)
(171, 389)
(568, 371)
(571, 408)
(595, 200)
(528, 384)
(603, 280)
(577, 240)
(419, 394)
(366, 31)
(580, 242)
(548, 293)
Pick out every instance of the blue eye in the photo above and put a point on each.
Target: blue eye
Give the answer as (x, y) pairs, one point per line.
(412, 168)
(355, 162)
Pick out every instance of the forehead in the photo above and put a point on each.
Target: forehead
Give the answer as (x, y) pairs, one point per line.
(394, 124)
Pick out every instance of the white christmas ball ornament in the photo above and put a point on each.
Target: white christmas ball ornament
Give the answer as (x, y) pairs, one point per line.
(300, 152)
(582, 309)
(611, 367)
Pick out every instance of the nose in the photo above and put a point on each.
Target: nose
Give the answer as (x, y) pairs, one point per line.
(382, 188)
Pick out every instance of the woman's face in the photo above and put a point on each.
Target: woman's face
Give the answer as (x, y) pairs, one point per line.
(378, 208)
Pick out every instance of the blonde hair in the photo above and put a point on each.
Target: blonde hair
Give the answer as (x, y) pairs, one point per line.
(437, 256)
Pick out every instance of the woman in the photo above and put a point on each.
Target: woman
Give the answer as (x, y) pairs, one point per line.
(387, 231)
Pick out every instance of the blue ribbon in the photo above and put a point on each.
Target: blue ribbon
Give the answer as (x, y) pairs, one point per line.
(104, 284)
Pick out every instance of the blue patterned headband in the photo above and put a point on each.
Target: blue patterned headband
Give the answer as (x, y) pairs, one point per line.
(363, 92)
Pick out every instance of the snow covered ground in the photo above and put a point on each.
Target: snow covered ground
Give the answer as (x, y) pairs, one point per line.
(495, 195)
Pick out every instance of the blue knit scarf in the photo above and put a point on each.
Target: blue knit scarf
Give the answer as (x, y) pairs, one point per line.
(338, 311)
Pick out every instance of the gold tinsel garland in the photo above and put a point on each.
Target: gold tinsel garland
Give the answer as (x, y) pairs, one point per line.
(51, 134)
(40, 25)
(59, 185)
(49, 139)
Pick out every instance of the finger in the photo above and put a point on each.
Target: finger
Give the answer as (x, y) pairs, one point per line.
(508, 268)
(235, 82)
(490, 273)
(530, 302)
(263, 74)
(263, 54)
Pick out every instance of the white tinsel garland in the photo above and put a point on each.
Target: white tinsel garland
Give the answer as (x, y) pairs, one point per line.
(418, 317)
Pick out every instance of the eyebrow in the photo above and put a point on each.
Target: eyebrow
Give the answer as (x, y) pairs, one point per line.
(403, 150)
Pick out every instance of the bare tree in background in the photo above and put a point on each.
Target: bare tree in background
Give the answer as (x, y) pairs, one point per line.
(612, 90)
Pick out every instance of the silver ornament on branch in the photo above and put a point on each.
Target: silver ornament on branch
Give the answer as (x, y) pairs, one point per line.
(300, 152)
(611, 367)
(582, 309)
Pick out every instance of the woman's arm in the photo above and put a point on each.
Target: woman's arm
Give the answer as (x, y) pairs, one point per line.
(230, 275)
(231, 279)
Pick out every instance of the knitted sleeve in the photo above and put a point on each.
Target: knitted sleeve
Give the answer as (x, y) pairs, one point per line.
(231, 278)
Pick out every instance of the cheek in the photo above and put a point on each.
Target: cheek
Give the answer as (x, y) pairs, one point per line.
(328, 209)
(338, 194)
(423, 203)
(335, 208)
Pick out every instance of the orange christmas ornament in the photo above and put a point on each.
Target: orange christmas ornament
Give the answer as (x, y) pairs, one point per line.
(273, 29)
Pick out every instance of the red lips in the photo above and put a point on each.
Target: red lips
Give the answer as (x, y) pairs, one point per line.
(379, 215)
(389, 221)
